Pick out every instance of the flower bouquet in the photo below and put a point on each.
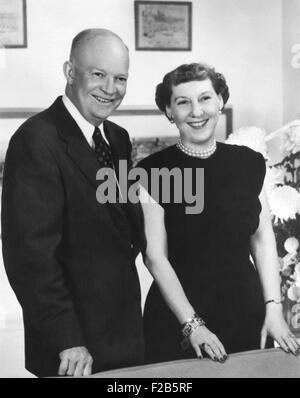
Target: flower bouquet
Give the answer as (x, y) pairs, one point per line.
(282, 186)
(284, 201)
(290, 284)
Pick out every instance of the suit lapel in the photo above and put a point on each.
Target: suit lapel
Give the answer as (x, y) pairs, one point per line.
(77, 147)
(83, 156)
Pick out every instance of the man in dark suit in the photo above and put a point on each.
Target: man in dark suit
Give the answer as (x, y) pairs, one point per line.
(69, 258)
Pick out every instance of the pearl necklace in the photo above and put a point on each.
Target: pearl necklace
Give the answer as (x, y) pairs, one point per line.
(197, 154)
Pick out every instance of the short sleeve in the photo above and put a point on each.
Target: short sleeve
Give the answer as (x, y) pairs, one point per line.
(145, 164)
(148, 164)
(257, 172)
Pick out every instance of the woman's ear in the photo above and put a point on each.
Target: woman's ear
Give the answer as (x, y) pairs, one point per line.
(68, 72)
(169, 113)
(221, 102)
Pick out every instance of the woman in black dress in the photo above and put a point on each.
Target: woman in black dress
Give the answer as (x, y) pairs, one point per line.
(208, 297)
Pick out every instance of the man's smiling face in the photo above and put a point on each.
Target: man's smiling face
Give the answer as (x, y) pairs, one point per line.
(97, 78)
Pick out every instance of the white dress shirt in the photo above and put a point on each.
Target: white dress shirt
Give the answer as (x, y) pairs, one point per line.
(86, 127)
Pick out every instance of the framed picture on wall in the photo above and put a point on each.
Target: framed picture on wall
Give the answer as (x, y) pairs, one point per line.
(163, 25)
(13, 24)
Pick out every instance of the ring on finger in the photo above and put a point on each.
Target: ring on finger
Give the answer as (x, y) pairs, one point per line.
(204, 345)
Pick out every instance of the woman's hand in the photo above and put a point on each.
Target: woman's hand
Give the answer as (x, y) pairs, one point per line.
(203, 339)
(276, 326)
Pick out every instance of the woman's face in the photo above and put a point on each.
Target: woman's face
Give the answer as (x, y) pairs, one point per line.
(194, 107)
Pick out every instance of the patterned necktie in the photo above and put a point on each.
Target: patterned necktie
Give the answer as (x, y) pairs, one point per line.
(104, 154)
(102, 150)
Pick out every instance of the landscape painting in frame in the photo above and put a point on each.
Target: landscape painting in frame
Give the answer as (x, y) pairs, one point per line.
(13, 26)
(163, 25)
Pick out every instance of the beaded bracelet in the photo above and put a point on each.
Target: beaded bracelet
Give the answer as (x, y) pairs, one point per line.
(188, 328)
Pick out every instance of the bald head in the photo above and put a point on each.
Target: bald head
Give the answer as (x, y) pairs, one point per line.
(84, 38)
(97, 73)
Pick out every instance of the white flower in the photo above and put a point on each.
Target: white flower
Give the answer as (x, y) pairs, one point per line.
(273, 177)
(297, 268)
(293, 293)
(291, 137)
(291, 245)
(295, 124)
(297, 280)
(252, 137)
(288, 260)
(284, 203)
(290, 134)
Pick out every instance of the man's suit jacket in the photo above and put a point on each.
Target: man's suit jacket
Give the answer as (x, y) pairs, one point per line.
(70, 259)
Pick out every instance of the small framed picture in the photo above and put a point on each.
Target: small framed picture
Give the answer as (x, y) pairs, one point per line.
(13, 24)
(163, 25)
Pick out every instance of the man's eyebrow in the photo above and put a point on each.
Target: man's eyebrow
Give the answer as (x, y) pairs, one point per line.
(95, 68)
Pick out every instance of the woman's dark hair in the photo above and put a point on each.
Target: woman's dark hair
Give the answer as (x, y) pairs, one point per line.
(187, 73)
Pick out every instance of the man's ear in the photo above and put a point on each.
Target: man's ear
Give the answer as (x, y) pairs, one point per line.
(69, 71)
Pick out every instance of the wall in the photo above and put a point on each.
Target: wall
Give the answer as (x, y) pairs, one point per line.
(291, 59)
(290, 70)
(242, 38)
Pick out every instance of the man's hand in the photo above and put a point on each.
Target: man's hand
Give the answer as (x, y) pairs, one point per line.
(75, 361)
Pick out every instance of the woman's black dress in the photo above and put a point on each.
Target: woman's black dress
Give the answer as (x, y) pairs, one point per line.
(210, 253)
